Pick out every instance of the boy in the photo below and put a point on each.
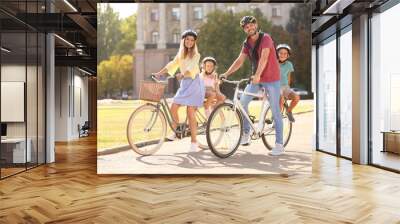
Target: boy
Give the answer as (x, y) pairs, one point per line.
(286, 69)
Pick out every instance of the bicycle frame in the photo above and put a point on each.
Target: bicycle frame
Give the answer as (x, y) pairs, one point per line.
(258, 130)
(163, 105)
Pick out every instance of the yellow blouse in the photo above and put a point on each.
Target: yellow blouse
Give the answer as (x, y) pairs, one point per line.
(187, 64)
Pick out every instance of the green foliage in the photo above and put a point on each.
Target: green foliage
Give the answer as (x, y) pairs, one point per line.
(300, 27)
(115, 40)
(108, 31)
(128, 36)
(115, 75)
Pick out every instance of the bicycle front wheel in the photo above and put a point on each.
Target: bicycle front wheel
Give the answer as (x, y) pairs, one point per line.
(224, 130)
(146, 129)
(201, 119)
(269, 129)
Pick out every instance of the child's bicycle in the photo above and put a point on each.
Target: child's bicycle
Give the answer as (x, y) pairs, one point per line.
(147, 126)
(226, 120)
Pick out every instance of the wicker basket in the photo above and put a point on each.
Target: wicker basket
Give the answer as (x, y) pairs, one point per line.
(151, 91)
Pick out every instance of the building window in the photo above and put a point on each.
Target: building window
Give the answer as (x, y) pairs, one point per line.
(154, 15)
(276, 11)
(175, 37)
(231, 9)
(176, 15)
(198, 12)
(154, 37)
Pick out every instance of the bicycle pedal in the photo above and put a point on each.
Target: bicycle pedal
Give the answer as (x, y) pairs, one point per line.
(252, 118)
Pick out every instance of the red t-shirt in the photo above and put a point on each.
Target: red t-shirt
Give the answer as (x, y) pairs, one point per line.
(271, 71)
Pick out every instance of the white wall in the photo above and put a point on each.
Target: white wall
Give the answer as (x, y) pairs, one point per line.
(71, 88)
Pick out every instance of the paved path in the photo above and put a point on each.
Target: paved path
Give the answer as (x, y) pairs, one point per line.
(173, 158)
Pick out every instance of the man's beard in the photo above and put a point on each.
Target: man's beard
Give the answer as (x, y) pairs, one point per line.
(252, 34)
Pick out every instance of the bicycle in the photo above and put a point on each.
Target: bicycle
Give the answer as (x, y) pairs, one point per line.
(147, 125)
(229, 123)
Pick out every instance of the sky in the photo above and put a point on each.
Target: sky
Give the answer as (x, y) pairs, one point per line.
(124, 9)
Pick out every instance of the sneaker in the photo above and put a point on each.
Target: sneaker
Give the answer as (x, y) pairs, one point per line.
(172, 137)
(290, 116)
(277, 150)
(193, 147)
(245, 139)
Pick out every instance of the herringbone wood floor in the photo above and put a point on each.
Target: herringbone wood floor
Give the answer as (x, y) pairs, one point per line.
(70, 191)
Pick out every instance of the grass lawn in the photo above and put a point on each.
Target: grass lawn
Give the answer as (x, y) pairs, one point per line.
(113, 117)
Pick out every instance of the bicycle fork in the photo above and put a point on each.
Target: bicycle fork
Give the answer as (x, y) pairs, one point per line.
(261, 121)
(152, 120)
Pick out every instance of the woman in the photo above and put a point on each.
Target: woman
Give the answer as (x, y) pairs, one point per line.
(191, 91)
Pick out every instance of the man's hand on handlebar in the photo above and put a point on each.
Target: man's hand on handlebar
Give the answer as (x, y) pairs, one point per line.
(223, 76)
(255, 79)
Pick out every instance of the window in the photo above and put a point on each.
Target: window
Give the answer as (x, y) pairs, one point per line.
(154, 37)
(176, 37)
(276, 11)
(176, 15)
(346, 94)
(154, 15)
(198, 12)
(385, 86)
(22, 71)
(327, 96)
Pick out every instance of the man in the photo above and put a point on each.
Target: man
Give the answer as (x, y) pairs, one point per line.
(259, 48)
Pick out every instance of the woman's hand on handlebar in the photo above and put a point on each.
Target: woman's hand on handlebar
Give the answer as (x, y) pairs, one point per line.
(179, 76)
(156, 75)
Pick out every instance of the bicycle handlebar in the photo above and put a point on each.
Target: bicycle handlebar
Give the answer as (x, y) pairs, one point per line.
(154, 78)
(235, 82)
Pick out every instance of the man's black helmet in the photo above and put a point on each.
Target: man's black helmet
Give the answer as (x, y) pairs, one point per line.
(189, 33)
(246, 20)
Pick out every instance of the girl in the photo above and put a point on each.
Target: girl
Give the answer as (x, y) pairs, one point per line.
(211, 83)
(191, 91)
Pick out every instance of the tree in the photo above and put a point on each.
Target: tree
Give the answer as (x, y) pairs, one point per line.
(125, 73)
(128, 36)
(115, 75)
(108, 31)
(299, 26)
(105, 84)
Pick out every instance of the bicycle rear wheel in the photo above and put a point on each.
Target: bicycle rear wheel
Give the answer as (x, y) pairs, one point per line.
(224, 130)
(269, 129)
(146, 129)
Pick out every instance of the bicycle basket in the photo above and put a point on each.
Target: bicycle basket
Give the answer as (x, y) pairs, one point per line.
(228, 89)
(151, 91)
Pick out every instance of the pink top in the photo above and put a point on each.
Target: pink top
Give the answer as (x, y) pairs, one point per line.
(209, 80)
